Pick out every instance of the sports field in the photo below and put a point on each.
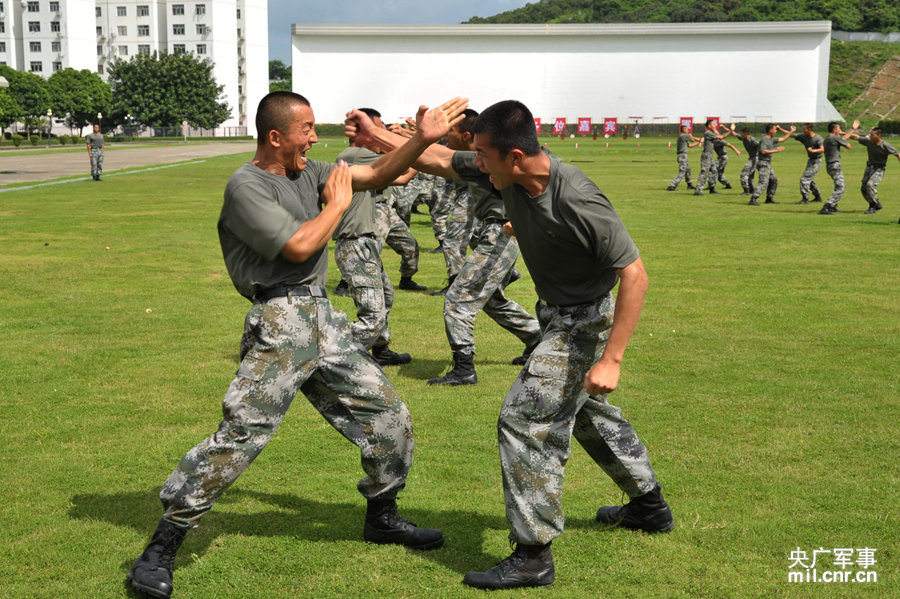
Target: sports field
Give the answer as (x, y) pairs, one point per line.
(763, 377)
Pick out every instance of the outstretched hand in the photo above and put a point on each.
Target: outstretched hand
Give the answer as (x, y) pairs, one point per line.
(433, 124)
(855, 125)
(338, 190)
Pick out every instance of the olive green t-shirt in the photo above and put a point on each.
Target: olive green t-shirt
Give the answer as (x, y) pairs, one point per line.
(486, 204)
(766, 143)
(682, 146)
(719, 146)
(810, 142)
(95, 140)
(570, 236)
(260, 213)
(878, 153)
(751, 144)
(359, 219)
(709, 138)
(833, 144)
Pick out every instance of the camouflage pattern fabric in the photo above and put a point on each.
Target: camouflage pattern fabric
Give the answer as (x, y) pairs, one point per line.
(439, 208)
(836, 173)
(708, 173)
(807, 180)
(684, 170)
(721, 163)
(869, 187)
(747, 174)
(460, 224)
(359, 261)
(391, 230)
(96, 162)
(296, 343)
(767, 182)
(546, 406)
(478, 286)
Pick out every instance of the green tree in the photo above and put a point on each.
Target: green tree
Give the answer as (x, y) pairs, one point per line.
(80, 94)
(279, 86)
(10, 110)
(30, 93)
(278, 71)
(164, 90)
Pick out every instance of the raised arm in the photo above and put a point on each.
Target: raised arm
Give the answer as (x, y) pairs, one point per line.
(315, 233)
(733, 148)
(787, 133)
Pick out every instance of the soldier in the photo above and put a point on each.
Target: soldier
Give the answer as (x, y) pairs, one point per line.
(878, 150)
(358, 256)
(751, 144)
(274, 240)
(720, 147)
(768, 182)
(439, 211)
(836, 140)
(392, 230)
(95, 151)
(708, 173)
(814, 151)
(576, 249)
(685, 141)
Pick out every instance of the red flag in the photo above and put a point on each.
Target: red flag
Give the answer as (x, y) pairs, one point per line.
(584, 125)
(559, 126)
(687, 121)
(610, 125)
(537, 125)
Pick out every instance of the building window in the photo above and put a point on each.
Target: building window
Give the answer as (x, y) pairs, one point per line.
(121, 11)
(100, 69)
(57, 66)
(34, 46)
(2, 27)
(2, 8)
(143, 10)
(2, 46)
(178, 9)
(99, 31)
(54, 6)
(201, 29)
(177, 48)
(144, 49)
(178, 29)
(54, 26)
(36, 66)
(201, 48)
(34, 7)
(123, 50)
(99, 50)
(34, 26)
(98, 11)
(239, 13)
(200, 9)
(239, 33)
(122, 29)
(56, 46)
(143, 30)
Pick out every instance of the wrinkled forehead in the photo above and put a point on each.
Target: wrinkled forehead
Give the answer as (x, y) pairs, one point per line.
(484, 144)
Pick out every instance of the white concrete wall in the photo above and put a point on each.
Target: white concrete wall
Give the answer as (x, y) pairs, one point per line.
(750, 71)
(255, 81)
(79, 39)
(222, 46)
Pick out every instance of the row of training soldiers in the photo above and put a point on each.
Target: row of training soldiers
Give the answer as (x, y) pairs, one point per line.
(279, 212)
(759, 161)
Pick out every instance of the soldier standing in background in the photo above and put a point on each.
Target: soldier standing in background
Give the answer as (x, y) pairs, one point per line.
(814, 151)
(708, 173)
(768, 181)
(95, 152)
(720, 146)
(685, 141)
(878, 151)
(751, 144)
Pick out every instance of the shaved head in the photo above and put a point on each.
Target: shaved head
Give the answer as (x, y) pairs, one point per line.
(275, 111)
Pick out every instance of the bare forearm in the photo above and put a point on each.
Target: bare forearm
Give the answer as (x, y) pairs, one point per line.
(435, 160)
(312, 235)
(629, 303)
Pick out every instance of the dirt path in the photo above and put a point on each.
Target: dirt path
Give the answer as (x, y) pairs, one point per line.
(18, 169)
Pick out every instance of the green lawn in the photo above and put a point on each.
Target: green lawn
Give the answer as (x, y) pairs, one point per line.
(763, 378)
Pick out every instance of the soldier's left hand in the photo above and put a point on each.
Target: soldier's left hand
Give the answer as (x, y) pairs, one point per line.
(603, 377)
(433, 124)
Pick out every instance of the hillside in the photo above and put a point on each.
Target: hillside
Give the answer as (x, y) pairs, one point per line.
(862, 80)
(847, 15)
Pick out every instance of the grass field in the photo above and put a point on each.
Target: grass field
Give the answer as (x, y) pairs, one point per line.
(763, 378)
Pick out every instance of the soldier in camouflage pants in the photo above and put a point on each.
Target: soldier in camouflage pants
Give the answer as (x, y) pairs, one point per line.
(391, 230)
(439, 210)
(546, 406)
(460, 224)
(807, 180)
(359, 261)
(684, 171)
(767, 182)
(747, 174)
(708, 174)
(872, 176)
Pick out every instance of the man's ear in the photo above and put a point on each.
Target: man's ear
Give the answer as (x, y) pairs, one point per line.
(274, 137)
(516, 155)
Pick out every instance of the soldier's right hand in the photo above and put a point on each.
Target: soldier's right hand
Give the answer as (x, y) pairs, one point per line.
(338, 189)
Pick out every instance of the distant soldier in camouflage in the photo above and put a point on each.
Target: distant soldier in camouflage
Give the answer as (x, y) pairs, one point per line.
(358, 256)
(708, 174)
(815, 149)
(576, 249)
(439, 210)
(878, 151)
(836, 140)
(95, 152)
(685, 141)
(392, 231)
(274, 237)
(751, 144)
(720, 147)
(460, 224)
(768, 181)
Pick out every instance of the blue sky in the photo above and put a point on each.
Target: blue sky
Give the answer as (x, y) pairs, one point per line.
(284, 13)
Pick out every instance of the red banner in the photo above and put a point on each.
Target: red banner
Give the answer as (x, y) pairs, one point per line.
(687, 121)
(610, 125)
(714, 119)
(537, 125)
(584, 125)
(560, 125)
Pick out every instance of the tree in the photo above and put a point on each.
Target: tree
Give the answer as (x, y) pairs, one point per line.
(81, 94)
(278, 71)
(164, 90)
(279, 86)
(30, 93)
(9, 110)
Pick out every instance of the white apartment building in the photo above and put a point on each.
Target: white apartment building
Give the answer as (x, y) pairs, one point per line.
(43, 36)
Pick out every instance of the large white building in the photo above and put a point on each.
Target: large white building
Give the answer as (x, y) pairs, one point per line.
(749, 72)
(43, 36)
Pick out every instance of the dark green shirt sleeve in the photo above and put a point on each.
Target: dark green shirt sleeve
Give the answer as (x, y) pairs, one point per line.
(258, 221)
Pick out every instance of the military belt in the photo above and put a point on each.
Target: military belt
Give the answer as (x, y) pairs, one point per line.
(264, 295)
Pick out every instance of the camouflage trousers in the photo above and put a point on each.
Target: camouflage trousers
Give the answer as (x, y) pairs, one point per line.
(296, 343)
(684, 170)
(869, 187)
(546, 406)
(747, 174)
(807, 180)
(460, 224)
(479, 286)
(721, 163)
(768, 182)
(837, 175)
(359, 261)
(439, 209)
(391, 230)
(96, 162)
(708, 174)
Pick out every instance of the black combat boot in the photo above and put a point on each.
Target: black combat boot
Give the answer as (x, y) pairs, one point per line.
(151, 574)
(384, 525)
(438, 249)
(873, 208)
(727, 185)
(407, 284)
(648, 512)
(690, 185)
(828, 209)
(817, 196)
(387, 357)
(528, 566)
(672, 188)
(463, 372)
(342, 288)
(444, 291)
(511, 277)
(770, 201)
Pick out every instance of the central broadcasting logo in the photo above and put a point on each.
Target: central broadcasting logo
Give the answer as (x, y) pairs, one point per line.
(832, 565)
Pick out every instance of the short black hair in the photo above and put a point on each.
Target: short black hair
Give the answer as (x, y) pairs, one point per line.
(832, 126)
(807, 125)
(745, 130)
(769, 126)
(371, 113)
(510, 125)
(469, 116)
(274, 112)
(710, 122)
(876, 130)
